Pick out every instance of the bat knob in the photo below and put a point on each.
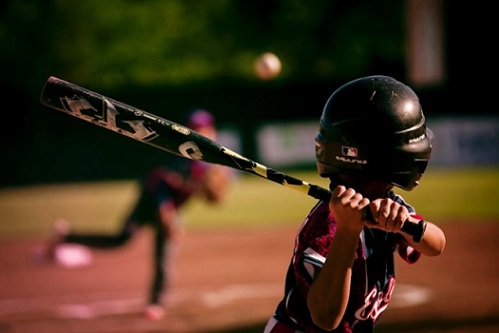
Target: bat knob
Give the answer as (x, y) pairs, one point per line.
(416, 230)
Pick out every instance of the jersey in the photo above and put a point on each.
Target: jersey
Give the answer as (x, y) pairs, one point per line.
(373, 272)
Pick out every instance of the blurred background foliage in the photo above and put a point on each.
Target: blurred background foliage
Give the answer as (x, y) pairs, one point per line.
(169, 56)
(115, 44)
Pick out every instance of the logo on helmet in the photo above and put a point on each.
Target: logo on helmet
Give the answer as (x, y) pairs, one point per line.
(350, 155)
(349, 151)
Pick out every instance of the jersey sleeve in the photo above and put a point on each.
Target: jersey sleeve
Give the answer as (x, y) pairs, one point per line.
(312, 246)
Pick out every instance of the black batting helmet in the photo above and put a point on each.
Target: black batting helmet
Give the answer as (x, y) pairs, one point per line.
(374, 127)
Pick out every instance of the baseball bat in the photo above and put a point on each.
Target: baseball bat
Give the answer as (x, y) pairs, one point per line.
(170, 136)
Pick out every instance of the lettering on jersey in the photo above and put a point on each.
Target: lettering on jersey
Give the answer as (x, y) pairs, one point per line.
(109, 117)
(375, 302)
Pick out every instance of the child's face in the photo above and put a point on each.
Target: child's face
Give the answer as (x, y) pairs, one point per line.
(368, 187)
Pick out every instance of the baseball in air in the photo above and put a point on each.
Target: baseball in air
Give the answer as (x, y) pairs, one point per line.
(267, 66)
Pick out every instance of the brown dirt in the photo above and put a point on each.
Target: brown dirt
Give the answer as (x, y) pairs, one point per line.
(230, 281)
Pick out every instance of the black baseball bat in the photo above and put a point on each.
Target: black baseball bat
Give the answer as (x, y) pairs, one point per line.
(170, 136)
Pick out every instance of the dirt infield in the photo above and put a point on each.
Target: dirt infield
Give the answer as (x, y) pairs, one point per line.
(229, 281)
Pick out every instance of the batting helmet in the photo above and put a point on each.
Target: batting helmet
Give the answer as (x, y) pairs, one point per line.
(374, 127)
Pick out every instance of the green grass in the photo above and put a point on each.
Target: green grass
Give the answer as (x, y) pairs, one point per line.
(457, 193)
(444, 195)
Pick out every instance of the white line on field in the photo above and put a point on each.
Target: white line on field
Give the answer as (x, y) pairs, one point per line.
(100, 304)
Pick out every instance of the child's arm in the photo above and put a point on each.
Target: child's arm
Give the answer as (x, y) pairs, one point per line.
(390, 216)
(328, 296)
(433, 241)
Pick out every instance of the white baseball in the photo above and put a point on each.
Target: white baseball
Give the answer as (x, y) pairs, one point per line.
(267, 66)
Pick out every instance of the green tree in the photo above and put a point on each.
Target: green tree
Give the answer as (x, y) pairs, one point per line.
(116, 43)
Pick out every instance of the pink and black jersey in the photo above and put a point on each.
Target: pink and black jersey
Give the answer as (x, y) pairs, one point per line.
(373, 274)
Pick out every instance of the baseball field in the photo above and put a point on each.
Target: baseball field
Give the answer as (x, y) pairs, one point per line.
(233, 257)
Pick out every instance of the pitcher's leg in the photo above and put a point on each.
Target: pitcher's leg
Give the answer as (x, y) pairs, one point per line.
(164, 257)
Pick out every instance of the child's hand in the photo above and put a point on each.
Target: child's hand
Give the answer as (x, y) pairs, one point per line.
(388, 215)
(347, 207)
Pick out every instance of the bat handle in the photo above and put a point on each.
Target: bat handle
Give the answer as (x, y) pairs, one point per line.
(416, 230)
